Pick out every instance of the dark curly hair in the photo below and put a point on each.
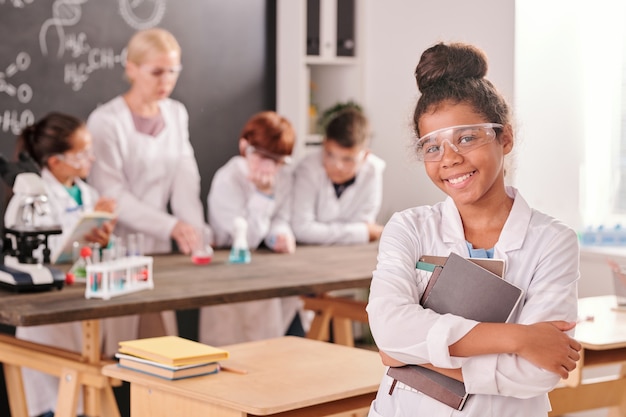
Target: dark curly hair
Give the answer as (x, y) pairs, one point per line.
(455, 73)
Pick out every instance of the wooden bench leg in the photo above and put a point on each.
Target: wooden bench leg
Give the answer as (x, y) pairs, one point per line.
(320, 326)
(67, 399)
(342, 331)
(620, 410)
(109, 404)
(15, 390)
(341, 312)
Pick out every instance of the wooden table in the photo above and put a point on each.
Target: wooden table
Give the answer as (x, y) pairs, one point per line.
(179, 284)
(602, 333)
(288, 376)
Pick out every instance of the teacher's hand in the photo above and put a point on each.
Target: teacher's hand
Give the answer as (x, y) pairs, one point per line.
(185, 236)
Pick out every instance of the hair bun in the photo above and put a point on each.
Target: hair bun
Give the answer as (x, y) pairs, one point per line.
(452, 62)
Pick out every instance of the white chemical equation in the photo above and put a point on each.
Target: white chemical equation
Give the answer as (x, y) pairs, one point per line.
(85, 59)
(18, 4)
(60, 42)
(12, 120)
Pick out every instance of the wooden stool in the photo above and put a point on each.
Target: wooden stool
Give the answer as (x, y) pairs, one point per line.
(335, 311)
(73, 369)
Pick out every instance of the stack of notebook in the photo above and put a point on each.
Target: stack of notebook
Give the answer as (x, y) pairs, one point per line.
(470, 288)
(170, 357)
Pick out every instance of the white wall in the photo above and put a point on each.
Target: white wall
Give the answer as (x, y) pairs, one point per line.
(550, 105)
(397, 32)
(542, 57)
(568, 68)
(568, 56)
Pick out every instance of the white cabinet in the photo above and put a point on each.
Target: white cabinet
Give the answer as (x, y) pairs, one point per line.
(319, 61)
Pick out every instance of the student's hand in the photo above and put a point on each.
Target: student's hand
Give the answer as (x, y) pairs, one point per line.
(263, 183)
(284, 244)
(548, 346)
(374, 230)
(389, 361)
(105, 204)
(101, 235)
(263, 176)
(185, 236)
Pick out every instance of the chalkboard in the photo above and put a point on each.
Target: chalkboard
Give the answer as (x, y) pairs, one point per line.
(68, 55)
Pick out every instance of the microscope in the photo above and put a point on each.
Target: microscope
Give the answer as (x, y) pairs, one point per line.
(19, 269)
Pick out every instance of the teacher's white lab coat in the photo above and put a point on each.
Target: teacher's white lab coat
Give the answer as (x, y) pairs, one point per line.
(42, 389)
(233, 195)
(144, 173)
(541, 257)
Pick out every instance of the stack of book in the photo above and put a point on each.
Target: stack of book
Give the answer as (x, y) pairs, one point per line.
(170, 357)
(470, 288)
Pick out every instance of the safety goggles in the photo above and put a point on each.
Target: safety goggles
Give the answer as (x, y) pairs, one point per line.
(76, 159)
(347, 162)
(262, 153)
(159, 72)
(461, 139)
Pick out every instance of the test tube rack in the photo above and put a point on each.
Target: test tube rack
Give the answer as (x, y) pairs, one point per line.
(118, 277)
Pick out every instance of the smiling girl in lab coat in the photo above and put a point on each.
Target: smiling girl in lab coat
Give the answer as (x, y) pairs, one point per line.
(464, 133)
(61, 145)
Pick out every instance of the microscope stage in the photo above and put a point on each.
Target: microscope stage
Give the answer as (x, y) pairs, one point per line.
(20, 277)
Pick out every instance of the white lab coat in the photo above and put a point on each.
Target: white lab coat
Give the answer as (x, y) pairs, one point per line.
(541, 257)
(42, 389)
(233, 195)
(320, 218)
(144, 173)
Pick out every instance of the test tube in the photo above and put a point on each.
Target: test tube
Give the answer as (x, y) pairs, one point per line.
(75, 251)
(107, 255)
(131, 242)
(95, 253)
(113, 241)
(140, 243)
(121, 251)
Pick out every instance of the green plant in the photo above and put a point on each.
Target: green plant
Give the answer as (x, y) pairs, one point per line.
(328, 114)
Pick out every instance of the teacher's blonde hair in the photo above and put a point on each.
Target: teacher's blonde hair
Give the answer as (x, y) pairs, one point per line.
(150, 41)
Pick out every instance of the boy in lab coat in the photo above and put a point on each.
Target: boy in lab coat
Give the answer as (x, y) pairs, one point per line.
(338, 189)
(256, 186)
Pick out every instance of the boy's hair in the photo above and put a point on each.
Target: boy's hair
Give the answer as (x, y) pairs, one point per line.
(349, 128)
(270, 131)
(48, 136)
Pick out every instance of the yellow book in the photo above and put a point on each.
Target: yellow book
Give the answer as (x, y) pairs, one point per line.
(172, 350)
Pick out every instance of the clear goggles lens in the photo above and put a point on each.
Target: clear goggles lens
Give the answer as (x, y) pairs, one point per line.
(159, 72)
(77, 159)
(344, 161)
(461, 139)
(261, 153)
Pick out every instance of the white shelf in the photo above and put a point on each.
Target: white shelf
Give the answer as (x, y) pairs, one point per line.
(336, 78)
